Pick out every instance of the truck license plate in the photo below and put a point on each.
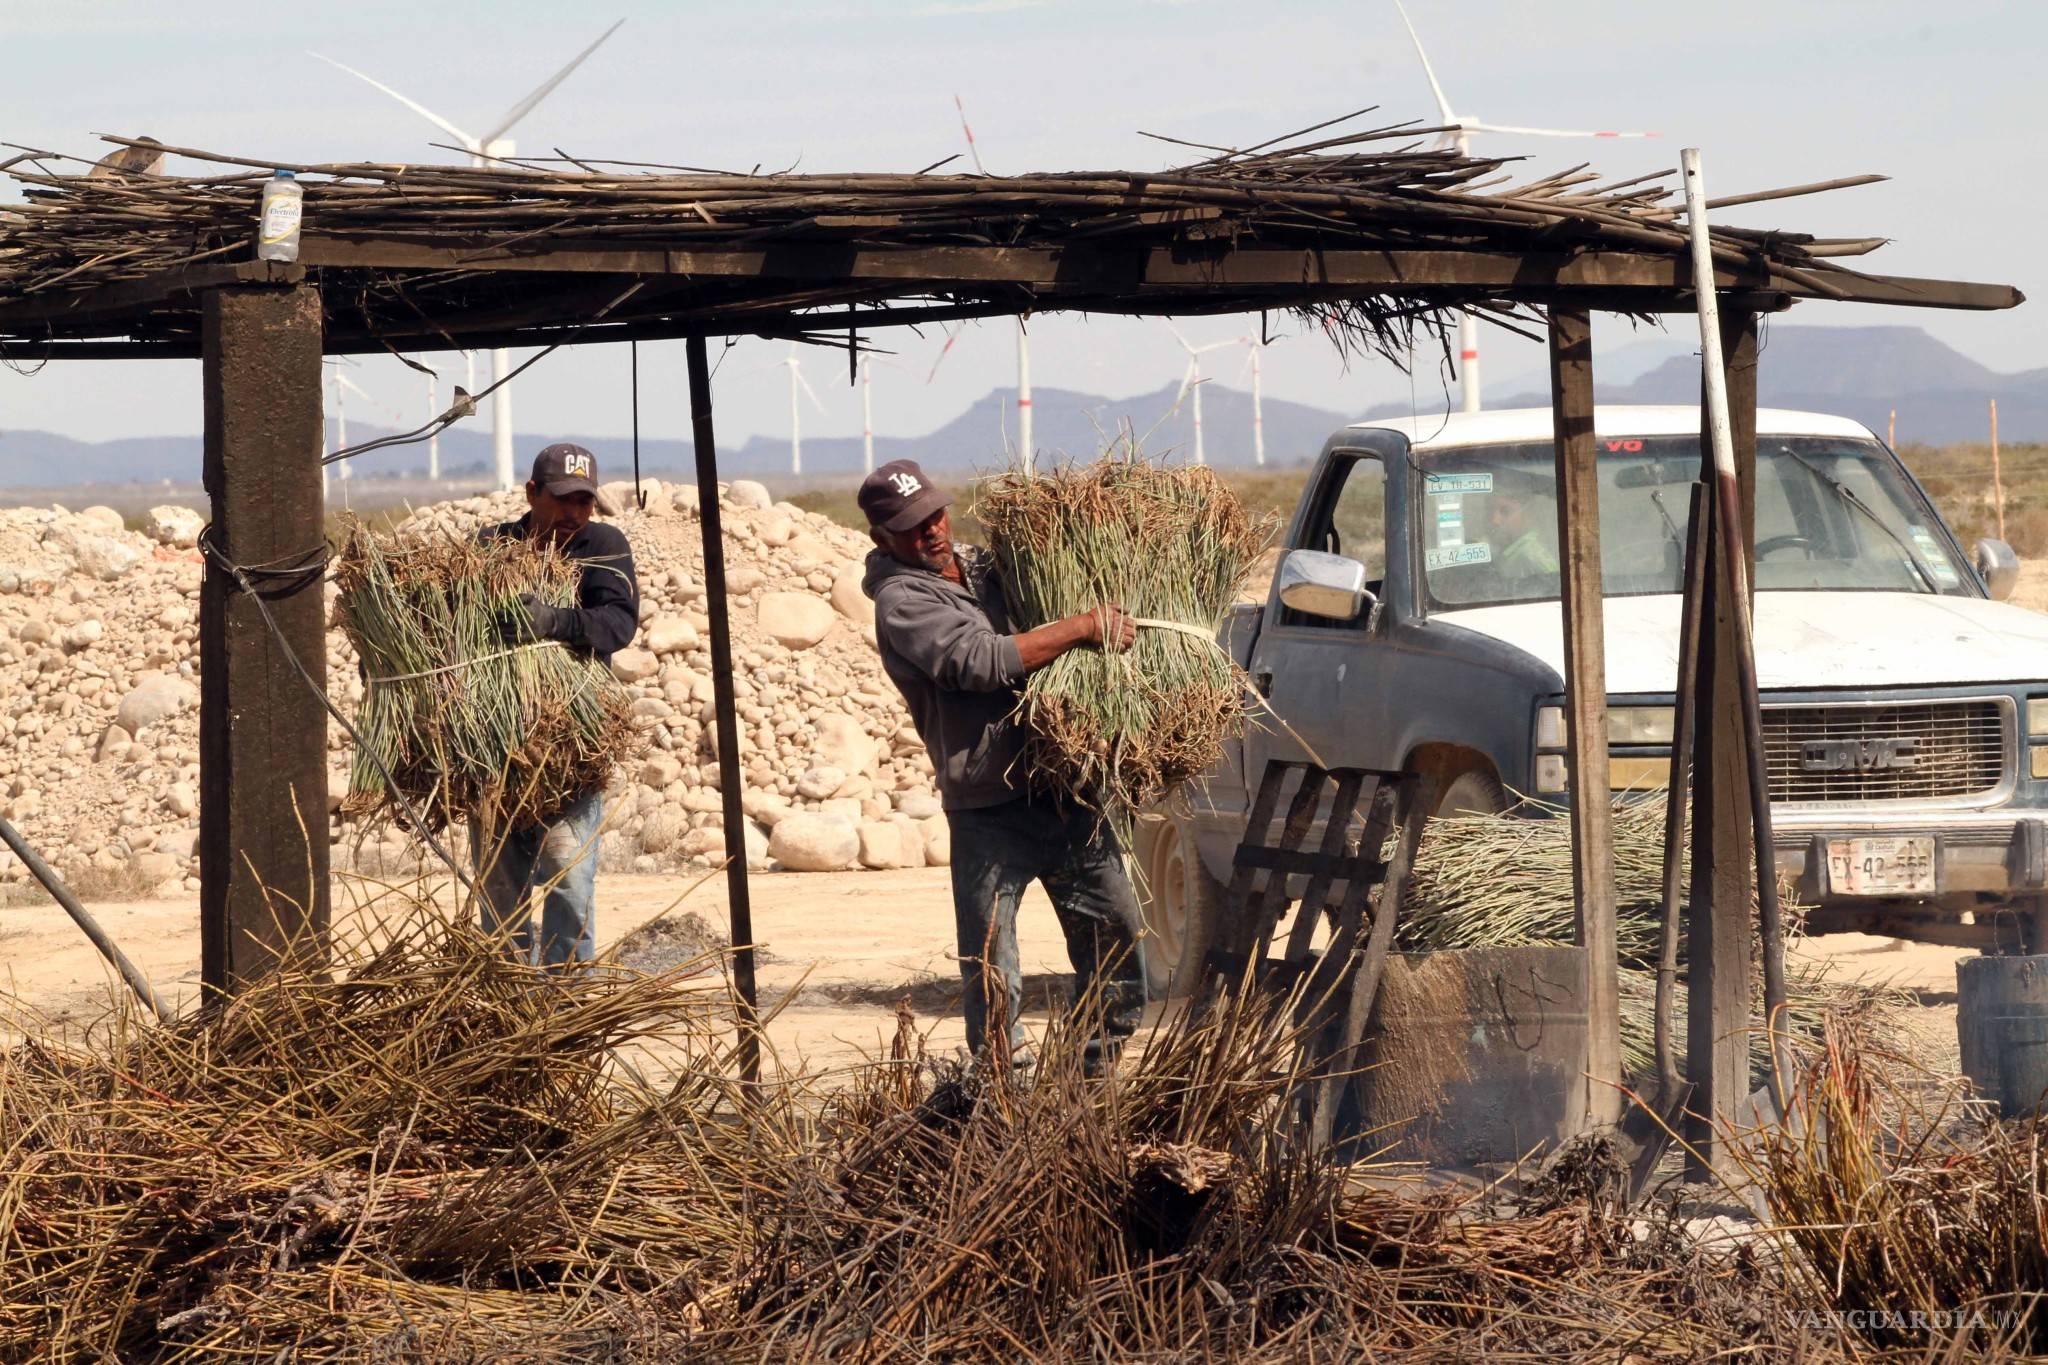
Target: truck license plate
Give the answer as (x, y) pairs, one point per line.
(1896, 866)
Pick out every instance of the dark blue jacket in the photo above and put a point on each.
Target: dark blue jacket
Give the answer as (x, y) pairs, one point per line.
(607, 592)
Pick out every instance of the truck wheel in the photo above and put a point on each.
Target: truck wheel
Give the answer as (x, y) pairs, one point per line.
(1476, 791)
(1182, 904)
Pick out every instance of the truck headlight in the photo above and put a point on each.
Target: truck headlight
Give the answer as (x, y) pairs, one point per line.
(1640, 724)
(2037, 717)
(1550, 773)
(1550, 728)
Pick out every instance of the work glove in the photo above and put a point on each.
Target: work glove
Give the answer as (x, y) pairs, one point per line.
(533, 620)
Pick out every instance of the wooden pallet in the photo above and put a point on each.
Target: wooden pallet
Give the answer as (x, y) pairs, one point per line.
(1334, 1001)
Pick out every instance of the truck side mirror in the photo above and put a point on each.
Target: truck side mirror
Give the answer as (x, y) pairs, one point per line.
(1317, 583)
(1998, 566)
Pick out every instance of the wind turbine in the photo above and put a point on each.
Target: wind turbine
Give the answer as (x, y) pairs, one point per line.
(1253, 346)
(482, 150)
(796, 381)
(1191, 379)
(1024, 448)
(1458, 132)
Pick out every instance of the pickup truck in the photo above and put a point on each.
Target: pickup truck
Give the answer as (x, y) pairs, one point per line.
(1414, 614)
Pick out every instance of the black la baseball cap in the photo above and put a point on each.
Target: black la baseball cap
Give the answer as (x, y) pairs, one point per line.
(564, 468)
(898, 496)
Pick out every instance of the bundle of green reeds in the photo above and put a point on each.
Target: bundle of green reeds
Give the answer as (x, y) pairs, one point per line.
(1169, 543)
(1503, 881)
(466, 724)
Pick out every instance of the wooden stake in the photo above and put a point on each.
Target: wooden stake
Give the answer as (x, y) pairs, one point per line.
(263, 850)
(1585, 685)
(1997, 475)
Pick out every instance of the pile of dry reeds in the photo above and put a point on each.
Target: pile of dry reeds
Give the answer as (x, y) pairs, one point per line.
(1919, 1215)
(1323, 189)
(416, 1149)
(1169, 544)
(1504, 881)
(465, 723)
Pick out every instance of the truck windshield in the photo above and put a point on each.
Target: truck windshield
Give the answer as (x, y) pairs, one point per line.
(1832, 515)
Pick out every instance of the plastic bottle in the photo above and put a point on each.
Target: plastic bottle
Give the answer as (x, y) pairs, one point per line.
(277, 234)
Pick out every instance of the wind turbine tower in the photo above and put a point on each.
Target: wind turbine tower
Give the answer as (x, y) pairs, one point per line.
(483, 150)
(796, 436)
(1024, 447)
(1458, 132)
(1191, 378)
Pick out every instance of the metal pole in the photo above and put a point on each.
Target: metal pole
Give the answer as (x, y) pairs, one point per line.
(729, 776)
(80, 916)
(1728, 503)
(1258, 412)
(1025, 455)
(867, 415)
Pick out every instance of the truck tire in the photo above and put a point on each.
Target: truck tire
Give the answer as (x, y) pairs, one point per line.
(1182, 904)
(1476, 791)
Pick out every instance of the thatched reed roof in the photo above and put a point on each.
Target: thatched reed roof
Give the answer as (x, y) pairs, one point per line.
(1368, 233)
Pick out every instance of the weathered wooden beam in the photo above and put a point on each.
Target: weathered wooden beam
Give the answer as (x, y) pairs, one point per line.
(1585, 700)
(262, 731)
(129, 296)
(1718, 927)
(1087, 268)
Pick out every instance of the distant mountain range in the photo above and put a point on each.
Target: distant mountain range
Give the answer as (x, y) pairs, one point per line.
(1866, 373)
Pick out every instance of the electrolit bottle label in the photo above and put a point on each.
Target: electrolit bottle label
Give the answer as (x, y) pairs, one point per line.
(280, 218)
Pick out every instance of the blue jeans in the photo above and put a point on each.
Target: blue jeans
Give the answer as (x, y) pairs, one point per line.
(560, 860)
(1000, 850)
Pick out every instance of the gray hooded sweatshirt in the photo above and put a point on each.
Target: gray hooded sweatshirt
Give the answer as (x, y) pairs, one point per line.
(949, 650)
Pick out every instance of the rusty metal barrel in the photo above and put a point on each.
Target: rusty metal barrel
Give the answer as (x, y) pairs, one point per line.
(1474, 1055)
(2002, 1025)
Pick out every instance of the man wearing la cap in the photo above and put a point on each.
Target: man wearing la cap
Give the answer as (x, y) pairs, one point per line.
(942, 624)
(560, 859)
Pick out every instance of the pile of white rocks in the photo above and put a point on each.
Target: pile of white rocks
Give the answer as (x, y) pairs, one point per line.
(99, 697)
(836, 777)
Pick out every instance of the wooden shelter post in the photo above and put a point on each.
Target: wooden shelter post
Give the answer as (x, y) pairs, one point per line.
(1585, 681)
(263, 849)
(1718, 928)
(730, 776)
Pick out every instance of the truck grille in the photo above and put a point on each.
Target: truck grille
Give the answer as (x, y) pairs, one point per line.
(1957, 749)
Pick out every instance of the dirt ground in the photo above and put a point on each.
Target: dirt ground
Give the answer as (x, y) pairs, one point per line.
(838, 949)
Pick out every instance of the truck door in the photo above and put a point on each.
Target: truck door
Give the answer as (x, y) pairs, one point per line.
(1326, 678)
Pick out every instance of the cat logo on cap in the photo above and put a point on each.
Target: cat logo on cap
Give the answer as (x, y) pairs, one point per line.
(576, 464)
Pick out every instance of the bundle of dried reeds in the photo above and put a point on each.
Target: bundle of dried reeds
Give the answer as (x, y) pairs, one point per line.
(464, 722)
(1168, 543)
(1921, 1216)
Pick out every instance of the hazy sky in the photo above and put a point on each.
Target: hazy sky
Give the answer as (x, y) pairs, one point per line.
(1945, 98)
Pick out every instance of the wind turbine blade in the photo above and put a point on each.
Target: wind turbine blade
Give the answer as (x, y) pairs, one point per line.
(944, 351)
(1547, 132)
(525, 106)
(808, 390)
(1443, 105)
(1187, 381)
(429, 115)
(1178, 337)
(972, 150)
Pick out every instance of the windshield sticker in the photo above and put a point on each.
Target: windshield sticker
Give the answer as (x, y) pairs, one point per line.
(1450, 522)
(1436, 485)
(1450, 556)
(1937, 562)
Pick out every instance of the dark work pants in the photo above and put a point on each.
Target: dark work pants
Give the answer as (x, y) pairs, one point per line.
(1000, 850)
